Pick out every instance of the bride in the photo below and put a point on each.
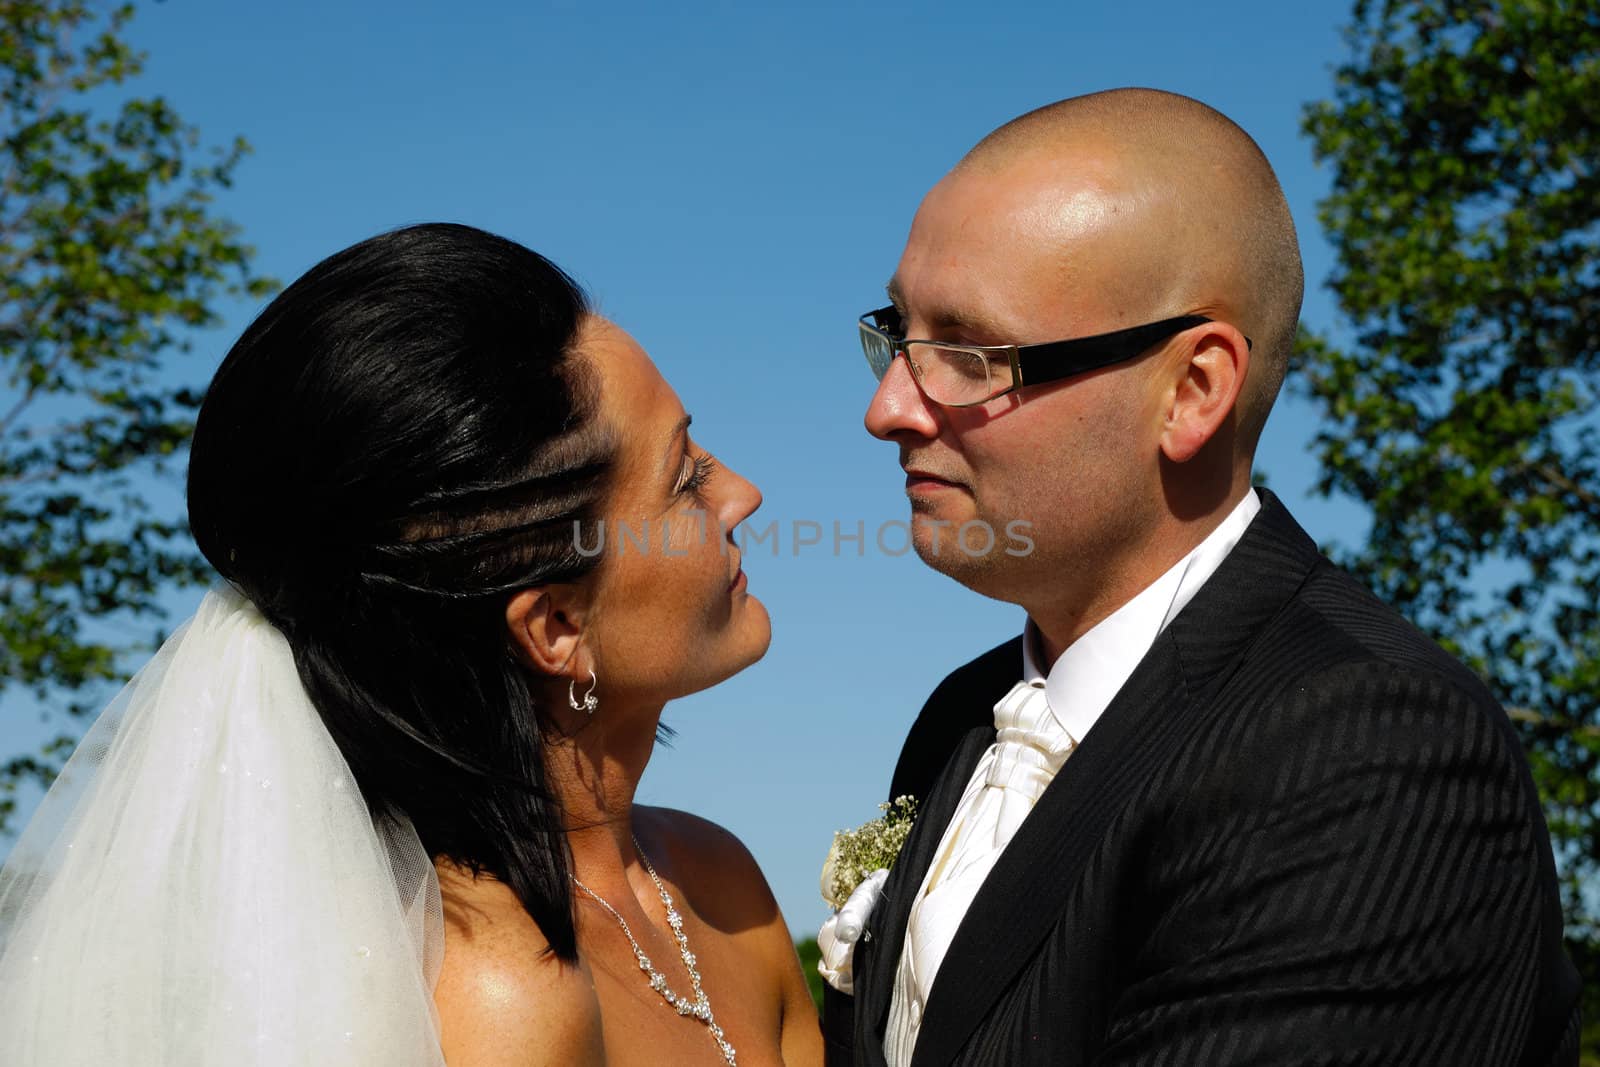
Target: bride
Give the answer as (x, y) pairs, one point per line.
(373, 804)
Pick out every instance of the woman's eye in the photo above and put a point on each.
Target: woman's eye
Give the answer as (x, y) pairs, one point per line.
(697, 472)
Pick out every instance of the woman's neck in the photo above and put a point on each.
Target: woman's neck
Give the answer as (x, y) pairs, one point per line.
(595, 772)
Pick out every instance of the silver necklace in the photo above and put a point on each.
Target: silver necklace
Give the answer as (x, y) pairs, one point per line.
(700, 1006)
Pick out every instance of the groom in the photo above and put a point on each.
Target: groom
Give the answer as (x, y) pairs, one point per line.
(1216, 804)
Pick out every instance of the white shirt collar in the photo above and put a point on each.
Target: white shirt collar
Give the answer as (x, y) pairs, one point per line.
(1086, 677)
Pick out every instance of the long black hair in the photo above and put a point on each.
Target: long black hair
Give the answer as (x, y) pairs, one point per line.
(402, 439)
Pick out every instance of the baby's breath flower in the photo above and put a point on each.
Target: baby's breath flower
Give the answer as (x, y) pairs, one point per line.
(857, 853)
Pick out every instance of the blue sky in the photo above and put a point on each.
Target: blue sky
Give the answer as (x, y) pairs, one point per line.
(733, 182)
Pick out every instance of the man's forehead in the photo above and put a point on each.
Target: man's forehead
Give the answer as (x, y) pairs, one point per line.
(994, 258)
(1046, 199)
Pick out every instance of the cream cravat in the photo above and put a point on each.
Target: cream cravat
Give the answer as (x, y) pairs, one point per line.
(1029, 749)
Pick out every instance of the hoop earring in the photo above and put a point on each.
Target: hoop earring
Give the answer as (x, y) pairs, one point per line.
(589, 701)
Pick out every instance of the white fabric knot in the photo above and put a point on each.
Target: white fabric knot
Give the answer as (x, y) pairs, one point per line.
(1023, 718)
(838, 936)
(1030, 747)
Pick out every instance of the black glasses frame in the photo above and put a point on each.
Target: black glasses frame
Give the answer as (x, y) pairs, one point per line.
(1030, 364)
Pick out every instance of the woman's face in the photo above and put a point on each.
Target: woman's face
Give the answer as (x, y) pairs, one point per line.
(671, 613)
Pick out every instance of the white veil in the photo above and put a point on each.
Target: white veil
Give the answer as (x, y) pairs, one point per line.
(204, 885)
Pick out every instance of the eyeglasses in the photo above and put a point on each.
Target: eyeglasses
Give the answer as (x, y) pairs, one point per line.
(960, 376)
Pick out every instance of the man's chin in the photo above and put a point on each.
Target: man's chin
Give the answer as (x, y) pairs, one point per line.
(985, 574)
(941, 517)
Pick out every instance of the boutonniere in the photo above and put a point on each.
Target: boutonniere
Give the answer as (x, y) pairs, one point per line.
(873, 846)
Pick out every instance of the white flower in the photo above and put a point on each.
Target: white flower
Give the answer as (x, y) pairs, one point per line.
(855, 854)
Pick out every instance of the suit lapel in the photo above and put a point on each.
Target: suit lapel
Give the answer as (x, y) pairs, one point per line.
(1014, 909)
(878, 958)
(1145, 724)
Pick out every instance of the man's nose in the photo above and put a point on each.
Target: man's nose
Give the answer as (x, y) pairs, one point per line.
(898, 406)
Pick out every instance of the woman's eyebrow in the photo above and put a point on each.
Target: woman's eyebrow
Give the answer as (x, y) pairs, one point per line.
(672, 439)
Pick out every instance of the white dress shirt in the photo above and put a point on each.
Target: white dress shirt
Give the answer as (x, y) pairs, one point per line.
(1038, 723)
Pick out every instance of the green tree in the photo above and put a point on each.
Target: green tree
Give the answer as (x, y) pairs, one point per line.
(1464, 143)
(110, 257)
(810, 955)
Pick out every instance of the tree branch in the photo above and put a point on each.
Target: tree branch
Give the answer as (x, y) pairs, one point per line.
(1558, 479)
(1533, 718)
(49, 97)
(49, 474)
(30, 393)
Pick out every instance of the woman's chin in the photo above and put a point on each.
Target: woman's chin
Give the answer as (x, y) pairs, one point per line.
(738, 651)
(760, 624)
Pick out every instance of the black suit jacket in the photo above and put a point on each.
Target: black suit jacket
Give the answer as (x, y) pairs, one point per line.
(1300, 834)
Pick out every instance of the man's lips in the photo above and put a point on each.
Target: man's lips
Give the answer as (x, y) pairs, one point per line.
(921, 479)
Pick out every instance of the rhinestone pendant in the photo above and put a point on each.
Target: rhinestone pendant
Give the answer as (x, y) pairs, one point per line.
(700, 1007)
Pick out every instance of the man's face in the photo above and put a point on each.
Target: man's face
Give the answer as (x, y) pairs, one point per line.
(1023, 256)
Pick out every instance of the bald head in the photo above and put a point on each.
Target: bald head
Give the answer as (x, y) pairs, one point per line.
(1182, 202)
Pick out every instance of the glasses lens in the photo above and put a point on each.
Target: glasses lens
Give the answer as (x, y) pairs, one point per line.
(953, 375)
(879, 351)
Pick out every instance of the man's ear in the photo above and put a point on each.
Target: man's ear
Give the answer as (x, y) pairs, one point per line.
(547, 626)
(1206, 385)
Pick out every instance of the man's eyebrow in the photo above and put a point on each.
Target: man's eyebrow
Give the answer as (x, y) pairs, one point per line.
(672, 438)
(946, 318)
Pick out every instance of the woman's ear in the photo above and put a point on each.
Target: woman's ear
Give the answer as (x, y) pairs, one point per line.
(547, 626)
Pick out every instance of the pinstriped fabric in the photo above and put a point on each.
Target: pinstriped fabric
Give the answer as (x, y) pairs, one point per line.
(1346, 877)
(1301, 835)
(1261, 918)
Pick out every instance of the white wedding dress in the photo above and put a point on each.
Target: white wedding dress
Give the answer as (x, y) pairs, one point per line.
(203, 885)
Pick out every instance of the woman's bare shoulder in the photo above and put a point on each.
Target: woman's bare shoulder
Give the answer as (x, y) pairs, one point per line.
(503, 996)
(729, 891)
(714, 866)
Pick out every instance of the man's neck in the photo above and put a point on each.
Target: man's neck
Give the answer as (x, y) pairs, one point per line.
(1064, 617)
